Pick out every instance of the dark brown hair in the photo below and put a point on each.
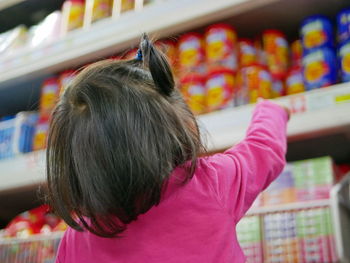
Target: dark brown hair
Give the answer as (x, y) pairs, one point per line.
(117, 133)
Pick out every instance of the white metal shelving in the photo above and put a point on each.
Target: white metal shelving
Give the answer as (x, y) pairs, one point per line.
(326, 110)
(109, 35)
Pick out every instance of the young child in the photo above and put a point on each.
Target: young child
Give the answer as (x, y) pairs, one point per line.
(123, 171)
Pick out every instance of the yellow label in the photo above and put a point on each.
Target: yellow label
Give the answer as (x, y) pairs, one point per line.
(342, 98)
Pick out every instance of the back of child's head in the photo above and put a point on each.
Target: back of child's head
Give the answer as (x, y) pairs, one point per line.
(117, 133)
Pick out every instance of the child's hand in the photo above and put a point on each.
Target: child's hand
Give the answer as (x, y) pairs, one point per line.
(281, 105)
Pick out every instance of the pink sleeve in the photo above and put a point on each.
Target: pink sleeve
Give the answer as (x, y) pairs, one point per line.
(245, 170)
(61, 250)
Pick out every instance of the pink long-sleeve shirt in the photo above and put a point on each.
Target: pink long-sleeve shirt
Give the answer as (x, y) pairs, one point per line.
(196, 222)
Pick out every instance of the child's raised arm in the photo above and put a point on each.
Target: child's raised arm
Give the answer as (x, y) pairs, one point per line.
(243, 171)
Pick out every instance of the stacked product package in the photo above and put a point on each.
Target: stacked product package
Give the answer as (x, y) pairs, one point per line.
(297, 235)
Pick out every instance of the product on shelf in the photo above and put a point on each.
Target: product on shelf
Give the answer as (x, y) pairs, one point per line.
(47, 30)
(194, 91)
(281, 244)
(344, 57)
(316, 32)
(96, 10)
(319, 68)
(343, 26)
(294, 81)
(127, 5)
(315, 236)
(73, 14)
(16, 134)
(49, 96)
(191, 53)
(220, 86)
(313, 178)
(221, 46)
(253, 82)
(64, 79)
(296, 50)
(13, 39)
(282, 190)
(275, 47)
(40, 136)
(249, 237)
(247, 53)
(278, 88)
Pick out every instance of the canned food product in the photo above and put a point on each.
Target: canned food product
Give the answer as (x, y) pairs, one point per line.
(278, 88)
(319, 68)
(247, 53)
(191, 53)
(221, 46)
(194, 92)
(101, 9)
(343, 25)
(344, 56)
(49, 96)
(276, 48)
(127, 5)
(254, 82)
(220, 89)
(73, 13)
(316, 32)
(294, 81)
(296, 52)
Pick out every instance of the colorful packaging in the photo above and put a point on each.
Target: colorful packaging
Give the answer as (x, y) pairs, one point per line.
(294, 81)
(220, 86)
(249, 237)
(73, 14)
(64, 79)
(40, 136)
(319, 68)
(282, 190)
(16, 134)
(247, 53)
(344, 56)
(127, 5)
(281, 244)
(97, 9)
(278, 87)
(313, 178)
(343, 26)
(253, 82)
(194, 92)
(221, 46)
(296, 49)
(49, 96)
(316, 237)
(191, 53)
(316, 32)
(275, 46)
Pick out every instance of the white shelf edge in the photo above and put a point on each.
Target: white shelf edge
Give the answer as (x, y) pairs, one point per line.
(22, 170)
(288, 207)
(109, 35)
(224, 128)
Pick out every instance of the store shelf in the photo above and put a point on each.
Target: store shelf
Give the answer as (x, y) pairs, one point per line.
(317, 112)
(288, 207)
(21, 171)
(109, 36)
(325, 111)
